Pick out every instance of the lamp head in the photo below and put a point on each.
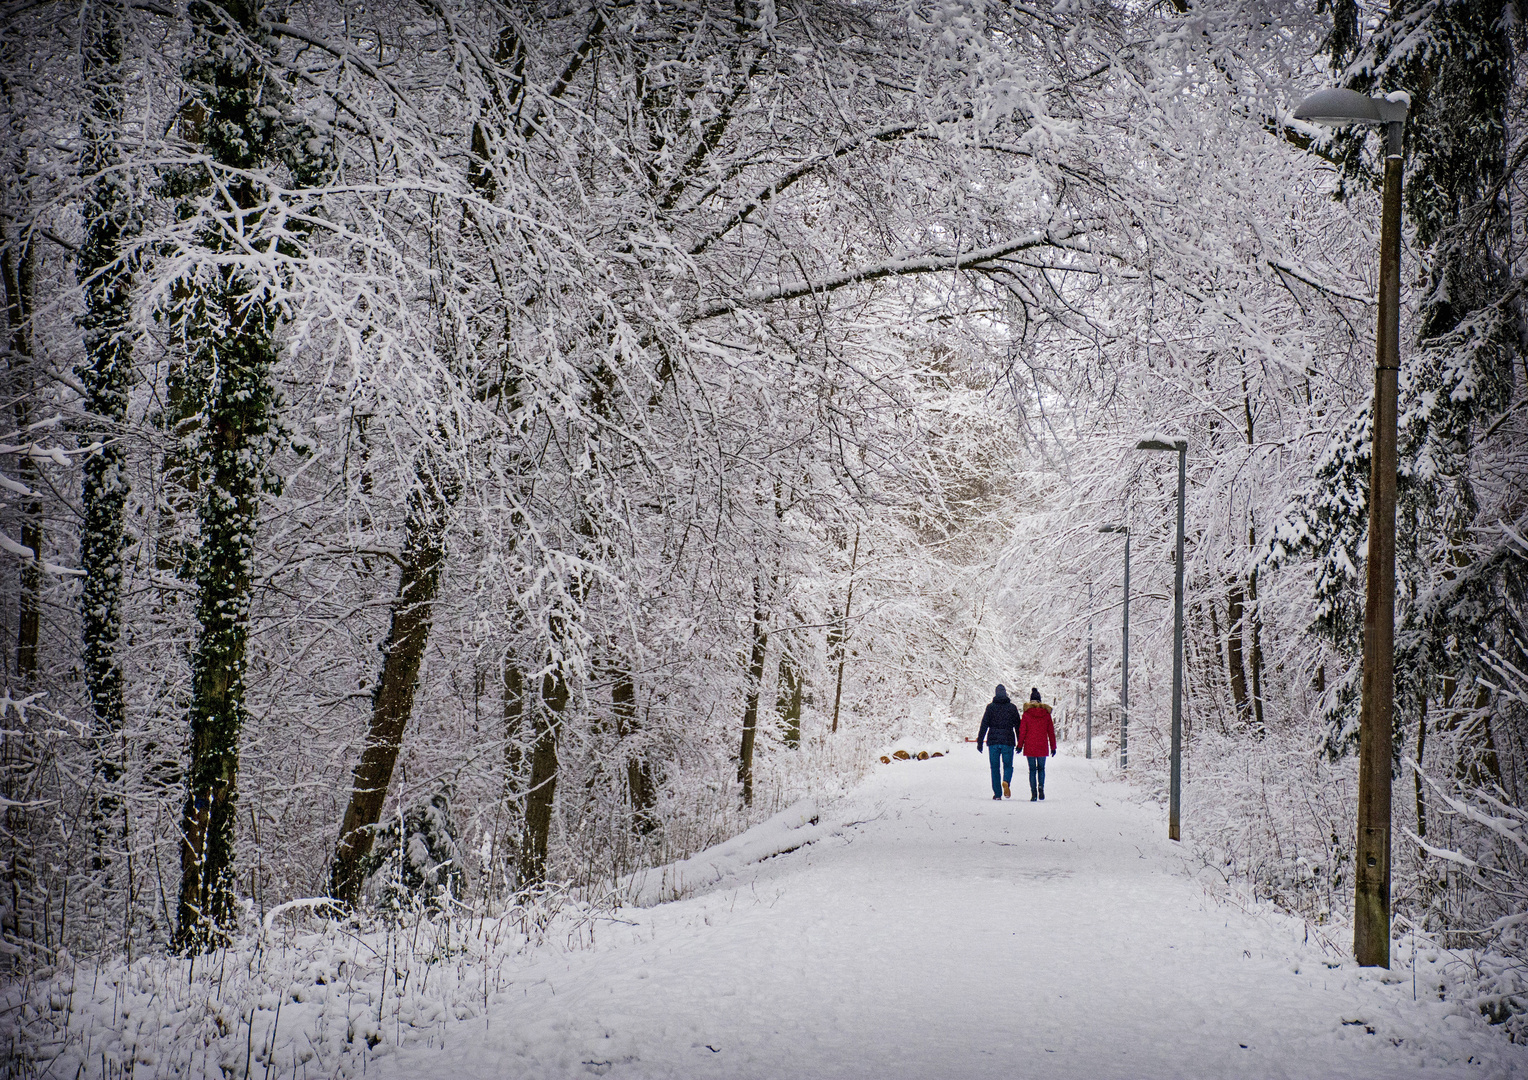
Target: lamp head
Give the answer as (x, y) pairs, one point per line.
(1339, 107)
(1162, 444)
(1115, 529)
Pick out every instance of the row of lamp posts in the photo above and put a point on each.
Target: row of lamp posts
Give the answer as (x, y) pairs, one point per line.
(1371, 906)
(1175, 783)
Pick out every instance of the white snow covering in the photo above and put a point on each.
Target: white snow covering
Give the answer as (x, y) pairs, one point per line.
(787, 831)
(935, 933)
(911, 929)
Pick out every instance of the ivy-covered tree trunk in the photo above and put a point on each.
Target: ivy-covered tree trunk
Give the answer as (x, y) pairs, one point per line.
(231, 371)
(408, 634)
(105, 373)
(227, 330)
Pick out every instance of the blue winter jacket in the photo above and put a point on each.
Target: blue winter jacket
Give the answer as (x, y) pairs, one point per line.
(1000, 723)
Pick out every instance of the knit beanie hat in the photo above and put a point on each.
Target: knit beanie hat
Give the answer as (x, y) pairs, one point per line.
(1034, 694)
(1002, 691)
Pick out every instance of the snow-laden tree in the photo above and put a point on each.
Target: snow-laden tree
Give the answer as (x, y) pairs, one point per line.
(625, 396)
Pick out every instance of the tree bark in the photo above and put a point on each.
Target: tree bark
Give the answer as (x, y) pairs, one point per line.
(751, 701)
(1235, 629)
(105, 371)
(1256, 659)
(1478, 767)
(227, 327)
(838, 634)
(639, 772)
(514, 720)
(506, 841)
(408, 635)
(1416, 775)
(1212, 682)
(19, 267)
(788, 700)
(542, 791)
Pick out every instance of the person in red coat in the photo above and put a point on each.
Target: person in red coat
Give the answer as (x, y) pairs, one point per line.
(1037, 738)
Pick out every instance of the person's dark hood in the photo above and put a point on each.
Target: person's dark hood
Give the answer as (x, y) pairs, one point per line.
(1002, 694)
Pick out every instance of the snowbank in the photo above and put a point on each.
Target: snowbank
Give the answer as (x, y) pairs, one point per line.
(788, 830)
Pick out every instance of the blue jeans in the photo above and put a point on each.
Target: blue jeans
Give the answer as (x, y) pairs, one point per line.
(997, 752)
(1036, 774)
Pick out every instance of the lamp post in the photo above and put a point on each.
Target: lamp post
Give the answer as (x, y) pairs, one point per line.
(1124, 661)
(1371, 886)
(1088, 752)
(1175, 782)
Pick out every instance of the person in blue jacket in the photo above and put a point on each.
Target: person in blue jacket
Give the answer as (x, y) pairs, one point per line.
(1000, 731)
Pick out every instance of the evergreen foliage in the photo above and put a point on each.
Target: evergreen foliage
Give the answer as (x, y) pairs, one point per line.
(415, 862)
(1457, 61)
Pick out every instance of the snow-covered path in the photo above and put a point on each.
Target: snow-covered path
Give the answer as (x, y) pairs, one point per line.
(946, 935)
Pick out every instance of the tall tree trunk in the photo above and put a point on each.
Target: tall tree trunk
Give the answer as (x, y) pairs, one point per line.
(751, 701)
(18, 264)
(542, 792)
(424, 555)
(19, 914)
(408, 635)
(1476, 765)
(514, 721)
(788, 700)
(1256, 658)
(227, 328)
(639, 771)
(1416, 775)
(1220, 663)
(1255, 630)
(1235, 630)
(105, 372)
(838, 634)
(512, 799)
(233, 421)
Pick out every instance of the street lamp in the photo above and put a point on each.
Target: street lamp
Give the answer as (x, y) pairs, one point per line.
(1175, 783)
(1124, 661)
(1371, 887)
(1088, 753)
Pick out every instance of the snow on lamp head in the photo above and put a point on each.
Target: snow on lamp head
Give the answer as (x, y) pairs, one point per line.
(1339, 107)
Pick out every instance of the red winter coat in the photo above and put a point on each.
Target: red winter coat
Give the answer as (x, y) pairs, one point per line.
(1037, 735)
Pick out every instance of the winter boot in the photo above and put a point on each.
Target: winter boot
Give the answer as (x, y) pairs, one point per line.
(1042, 794)
(1007, 794)
(1033, 794)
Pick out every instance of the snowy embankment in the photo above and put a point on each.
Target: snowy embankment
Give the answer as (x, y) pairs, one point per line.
(913, 929)
(790, 830)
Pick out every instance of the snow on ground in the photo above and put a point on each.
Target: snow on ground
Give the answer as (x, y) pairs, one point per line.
(926, 931)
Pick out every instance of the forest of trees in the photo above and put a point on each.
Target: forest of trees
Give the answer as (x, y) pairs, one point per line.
(515, 443)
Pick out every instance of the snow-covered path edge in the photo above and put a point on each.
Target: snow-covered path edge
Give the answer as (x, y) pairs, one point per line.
(938, 933)
(790, 830)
